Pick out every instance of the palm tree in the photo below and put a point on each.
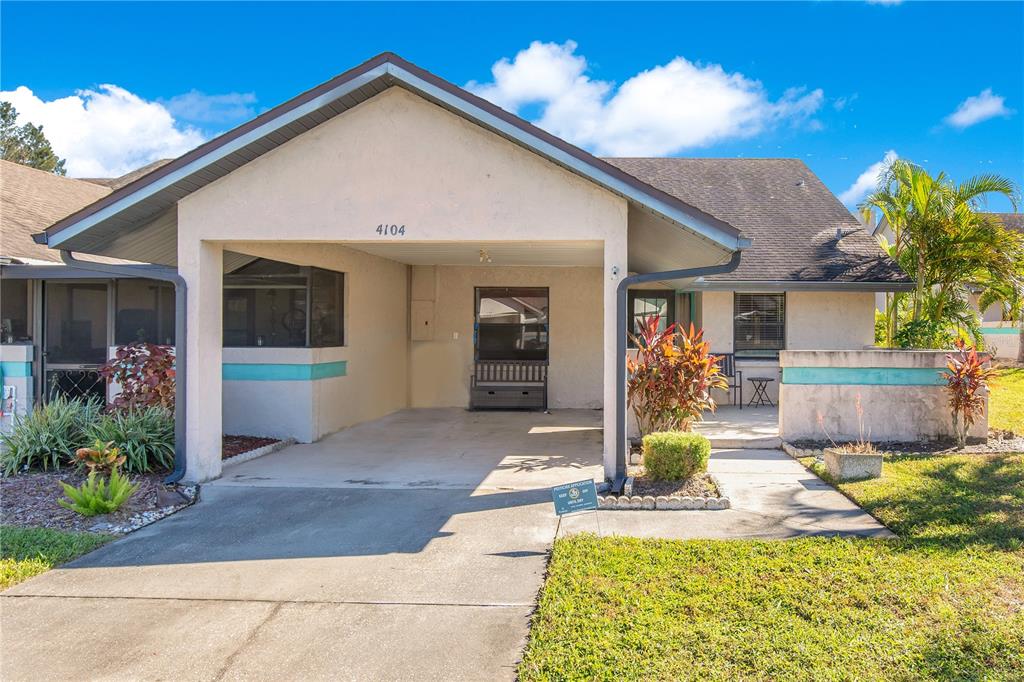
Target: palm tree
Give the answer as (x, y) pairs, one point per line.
(1008, 294)
(938, 235)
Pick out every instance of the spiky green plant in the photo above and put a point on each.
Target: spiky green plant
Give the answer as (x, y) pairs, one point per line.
(144, 435)
(98, 495)
(48, 436)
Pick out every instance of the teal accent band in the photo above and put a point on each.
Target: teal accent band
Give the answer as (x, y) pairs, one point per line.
(11, 368)
(282, 372)
(1000, 330)
(864, 376)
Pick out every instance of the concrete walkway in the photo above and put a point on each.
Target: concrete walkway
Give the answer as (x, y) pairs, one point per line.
(350, 579)
(773, 496)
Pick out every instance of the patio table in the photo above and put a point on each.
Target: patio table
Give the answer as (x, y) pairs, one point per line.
(760, 397)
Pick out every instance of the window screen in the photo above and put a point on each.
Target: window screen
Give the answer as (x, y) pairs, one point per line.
(267, 303)
(14, 307)
(511, 323)
(759, 324)
(145, 312)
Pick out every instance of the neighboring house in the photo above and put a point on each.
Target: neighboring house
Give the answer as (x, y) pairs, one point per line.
(468, 239)
(58, 322)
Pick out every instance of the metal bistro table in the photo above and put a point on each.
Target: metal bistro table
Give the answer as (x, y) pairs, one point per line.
(760, 397)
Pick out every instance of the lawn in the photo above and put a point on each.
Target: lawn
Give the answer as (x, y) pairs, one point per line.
(1006, 405)
(26, 552)
(946, 601)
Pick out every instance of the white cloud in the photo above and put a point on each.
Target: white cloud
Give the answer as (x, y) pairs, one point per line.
(978, 108)
(663, 110)
(867, 181)
(105, 132)
(199, 107)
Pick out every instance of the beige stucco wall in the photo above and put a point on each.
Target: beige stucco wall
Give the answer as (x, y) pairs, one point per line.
(393, 159)
(441, 368)
(818, 320)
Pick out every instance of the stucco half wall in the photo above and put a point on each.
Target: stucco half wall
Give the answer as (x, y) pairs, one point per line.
(902, 395)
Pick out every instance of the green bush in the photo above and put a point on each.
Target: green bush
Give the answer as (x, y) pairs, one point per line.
(98, 495)
(675, 455)
(144, 435)
(48, 436)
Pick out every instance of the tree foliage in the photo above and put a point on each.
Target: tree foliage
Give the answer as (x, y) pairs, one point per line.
(26, 144)
(947, 245)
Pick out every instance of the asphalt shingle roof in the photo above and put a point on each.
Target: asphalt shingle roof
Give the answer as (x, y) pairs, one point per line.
(784, 208)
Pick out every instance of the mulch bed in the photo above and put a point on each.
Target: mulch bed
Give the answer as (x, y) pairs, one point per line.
(236, 445)
(998, 442)
(30, 500)
(701, 485)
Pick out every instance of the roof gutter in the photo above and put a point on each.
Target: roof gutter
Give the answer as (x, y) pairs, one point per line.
(164, 274)
(621, 294)
(760, 286)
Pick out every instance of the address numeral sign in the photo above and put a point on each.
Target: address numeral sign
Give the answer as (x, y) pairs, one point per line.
(385, 230)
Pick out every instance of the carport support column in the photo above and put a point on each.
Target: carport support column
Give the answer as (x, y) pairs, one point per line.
(201, 264)
(615, 261)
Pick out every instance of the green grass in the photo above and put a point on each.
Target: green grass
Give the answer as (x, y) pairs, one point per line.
(946, 601)
(1006, 404)
(27, 552)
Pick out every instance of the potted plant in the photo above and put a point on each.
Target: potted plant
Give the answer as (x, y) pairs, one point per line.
(852, 461)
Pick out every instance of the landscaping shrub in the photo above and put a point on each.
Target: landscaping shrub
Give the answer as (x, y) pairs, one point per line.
(144, 435)
(46, 437)
(98, 495)
(100, 457)
(145, 372)
(671, 379)
(967, 380)
(674, 455)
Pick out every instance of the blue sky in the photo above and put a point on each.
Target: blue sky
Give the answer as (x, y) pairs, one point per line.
(838, 85)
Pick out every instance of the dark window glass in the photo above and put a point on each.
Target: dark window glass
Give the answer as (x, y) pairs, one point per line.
(14, 308)
(145, 312)
(644, 304)
(511, 323)
(759, 324)
(326, 318)
(75, 330)
(267, 303)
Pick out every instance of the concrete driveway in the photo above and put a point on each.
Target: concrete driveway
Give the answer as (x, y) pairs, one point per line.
(352, 559)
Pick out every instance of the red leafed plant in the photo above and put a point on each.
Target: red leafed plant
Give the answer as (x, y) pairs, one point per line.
(671, 378)
(145, 372)
(967, 379)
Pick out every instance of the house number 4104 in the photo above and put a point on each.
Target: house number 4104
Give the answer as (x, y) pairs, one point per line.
(391, 230)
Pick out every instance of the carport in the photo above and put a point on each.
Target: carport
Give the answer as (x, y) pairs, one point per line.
(440, 448)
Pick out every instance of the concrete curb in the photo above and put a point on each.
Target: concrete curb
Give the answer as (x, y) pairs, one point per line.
(662, 502)
(258, 452)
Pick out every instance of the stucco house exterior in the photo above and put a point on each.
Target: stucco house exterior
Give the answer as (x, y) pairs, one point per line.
(446, 233)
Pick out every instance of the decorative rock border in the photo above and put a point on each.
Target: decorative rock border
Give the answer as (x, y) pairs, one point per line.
(663, 502)
(189, 494)
(796, 453)
(257, 452)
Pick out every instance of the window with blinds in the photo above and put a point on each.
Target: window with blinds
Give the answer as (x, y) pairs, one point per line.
(759, 325)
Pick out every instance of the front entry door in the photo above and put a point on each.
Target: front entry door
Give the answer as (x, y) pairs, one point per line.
(75, 338)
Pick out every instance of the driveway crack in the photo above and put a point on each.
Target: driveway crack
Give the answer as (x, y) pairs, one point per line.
(230, 662)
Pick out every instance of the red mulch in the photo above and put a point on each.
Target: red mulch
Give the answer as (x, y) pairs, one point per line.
(236, 445)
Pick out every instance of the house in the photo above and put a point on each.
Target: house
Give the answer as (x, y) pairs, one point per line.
(405, 238)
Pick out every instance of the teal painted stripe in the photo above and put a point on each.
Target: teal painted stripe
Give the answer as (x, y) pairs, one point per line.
(11, 368)
(864, 376)
(282, 372)
(1000, 330)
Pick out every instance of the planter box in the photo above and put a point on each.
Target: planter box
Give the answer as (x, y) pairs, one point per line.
(851, 466)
